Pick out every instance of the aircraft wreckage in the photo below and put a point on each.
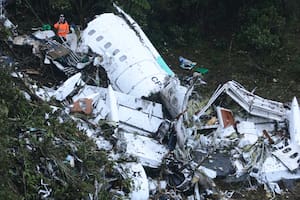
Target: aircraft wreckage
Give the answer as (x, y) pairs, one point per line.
(235, 136)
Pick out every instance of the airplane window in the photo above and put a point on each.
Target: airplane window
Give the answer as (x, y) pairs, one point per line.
(107, 45)
(122, 58)
(115, 52)
(99, 38)
(91, 32)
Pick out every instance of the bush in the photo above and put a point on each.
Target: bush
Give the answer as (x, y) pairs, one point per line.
(261, 29)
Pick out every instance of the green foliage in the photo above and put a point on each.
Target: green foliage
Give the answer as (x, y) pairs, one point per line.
(178, 33)
(144, 4)
(33, 151)
(138, 9)
(4, 32)
(60, 5)
(262, 29)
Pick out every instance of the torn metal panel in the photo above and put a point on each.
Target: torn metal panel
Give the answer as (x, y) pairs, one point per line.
(139, 182)
(125, 100)
(148, 151)
(252, 103)
(175, 97)
(133, 113)
(68, 87)
(27, 40)
(273, 170)
(289, 156)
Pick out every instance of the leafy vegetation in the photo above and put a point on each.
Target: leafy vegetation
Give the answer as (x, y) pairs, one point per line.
(262, 28)
(34, 151)
(222, 35)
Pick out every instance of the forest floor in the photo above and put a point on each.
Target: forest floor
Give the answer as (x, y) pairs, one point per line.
(273, 77)
(279, 81)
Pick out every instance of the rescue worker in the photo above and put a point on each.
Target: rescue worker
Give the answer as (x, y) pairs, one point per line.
(62, 27)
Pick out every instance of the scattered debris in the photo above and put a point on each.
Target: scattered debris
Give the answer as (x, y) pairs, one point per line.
(186, 63)
(149, 124)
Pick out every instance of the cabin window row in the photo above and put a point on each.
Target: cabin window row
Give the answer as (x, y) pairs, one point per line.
(107, 45)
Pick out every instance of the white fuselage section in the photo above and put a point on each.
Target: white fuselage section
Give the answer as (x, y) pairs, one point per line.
(131, 66)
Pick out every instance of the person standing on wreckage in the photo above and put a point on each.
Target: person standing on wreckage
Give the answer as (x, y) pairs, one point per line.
(62, 27)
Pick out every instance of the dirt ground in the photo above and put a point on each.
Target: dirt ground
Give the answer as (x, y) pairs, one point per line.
(279, 83)
(275, 82)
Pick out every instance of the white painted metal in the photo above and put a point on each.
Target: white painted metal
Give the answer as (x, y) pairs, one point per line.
(175, 97)
(68, 87)
(273, 170)
(112, 104)
(144, 39)
(148, 151)
(130, 65)
(252, 103)
(294, 122)
(139, 182)
(42, 35)
(134, 113)
(289, 156)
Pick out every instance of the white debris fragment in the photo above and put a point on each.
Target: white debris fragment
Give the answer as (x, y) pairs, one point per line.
(252, 103)
(273, 170)
(225, 132)
(239, 168)
(26, 95)
(45, 93)
(71, 160)
(289, 156)
(248, 132)
(44, 35)
(111, 101)
(294, 122)
(136, 173)
(174, 96)
(132, 113)
(68, 87)
(209, 172)
(148, 151)
(103, 144)
(17, 75)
